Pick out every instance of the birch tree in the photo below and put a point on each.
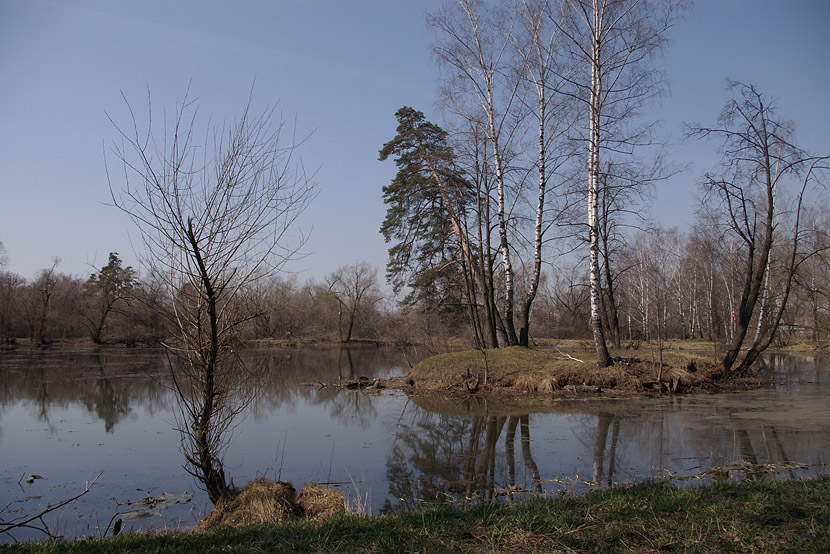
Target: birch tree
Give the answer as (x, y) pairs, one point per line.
(537, 48)
(217, 208)
(613, 44)
(481, 89)
(503, 81)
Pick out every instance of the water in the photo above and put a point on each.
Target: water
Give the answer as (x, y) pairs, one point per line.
(108, 417)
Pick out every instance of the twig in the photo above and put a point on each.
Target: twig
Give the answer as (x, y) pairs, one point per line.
(5, 527)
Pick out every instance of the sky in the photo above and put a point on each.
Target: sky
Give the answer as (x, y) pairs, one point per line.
(338, 69)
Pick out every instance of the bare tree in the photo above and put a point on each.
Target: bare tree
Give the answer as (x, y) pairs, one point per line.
(813, 279)
(10, 284)
(569, 296)
(354, 286)
(537, 45)
(612, 44)
(503, 87)
(481, 91)
(759, 159)
(215, 216)
(38, 303)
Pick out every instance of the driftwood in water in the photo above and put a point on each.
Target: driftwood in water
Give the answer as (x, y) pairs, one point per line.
(353, 384)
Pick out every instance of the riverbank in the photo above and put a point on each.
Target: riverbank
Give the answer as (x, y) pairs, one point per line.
(765, 516)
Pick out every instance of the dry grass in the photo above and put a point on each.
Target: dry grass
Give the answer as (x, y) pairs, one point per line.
(264, 501)
(555, 372)
(317, 502)
(260, 501)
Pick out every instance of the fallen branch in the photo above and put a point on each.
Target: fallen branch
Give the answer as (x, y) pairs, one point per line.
(568, 357)
(6, 526)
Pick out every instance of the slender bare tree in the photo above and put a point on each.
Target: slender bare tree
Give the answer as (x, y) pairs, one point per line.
(537, 51)
(216, 214)
(475, 48)
(612, 44)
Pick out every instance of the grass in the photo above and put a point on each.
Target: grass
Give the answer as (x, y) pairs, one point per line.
(553, 372)
(765, 516)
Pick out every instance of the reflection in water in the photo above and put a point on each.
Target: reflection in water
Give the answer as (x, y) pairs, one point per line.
(604, 423)
(459, 460)
(428, 458)
(68, 416)
(527, 457)
(107, 384)
(108, 400)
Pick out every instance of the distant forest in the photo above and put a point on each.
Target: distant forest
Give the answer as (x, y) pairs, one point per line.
(670, 285)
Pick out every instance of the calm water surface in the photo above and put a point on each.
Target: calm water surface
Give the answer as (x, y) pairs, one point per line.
(73, 417)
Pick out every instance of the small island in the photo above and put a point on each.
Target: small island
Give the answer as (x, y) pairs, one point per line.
(544, 374)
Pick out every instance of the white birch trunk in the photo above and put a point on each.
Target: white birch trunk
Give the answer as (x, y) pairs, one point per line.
(504, 243)
(540, 210)
(603, 358)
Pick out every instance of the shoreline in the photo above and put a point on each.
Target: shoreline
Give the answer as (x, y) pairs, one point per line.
(698, 346)
(765, 515)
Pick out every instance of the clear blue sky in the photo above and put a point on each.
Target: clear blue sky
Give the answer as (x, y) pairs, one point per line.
(342, 68)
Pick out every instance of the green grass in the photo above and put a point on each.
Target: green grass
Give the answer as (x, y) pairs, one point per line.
(768, 516)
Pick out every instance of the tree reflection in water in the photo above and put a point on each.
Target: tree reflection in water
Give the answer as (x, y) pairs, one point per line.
(604, 424)
(411, 450)
(347, 405)
(108, 384)
(524, 426)
(457, 460)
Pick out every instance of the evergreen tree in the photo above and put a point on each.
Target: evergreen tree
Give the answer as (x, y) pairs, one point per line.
(107, 290)
(427, 201)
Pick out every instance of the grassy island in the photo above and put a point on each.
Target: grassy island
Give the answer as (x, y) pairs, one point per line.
(544, 373)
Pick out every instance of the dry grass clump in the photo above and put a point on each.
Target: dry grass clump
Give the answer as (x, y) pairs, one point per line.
(264, 501)
(260, 501)
(548, 385)
(319, 503)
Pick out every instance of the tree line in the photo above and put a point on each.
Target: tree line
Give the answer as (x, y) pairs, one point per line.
(670, 285)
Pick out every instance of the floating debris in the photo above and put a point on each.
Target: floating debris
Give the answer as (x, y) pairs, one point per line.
(137, 514)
